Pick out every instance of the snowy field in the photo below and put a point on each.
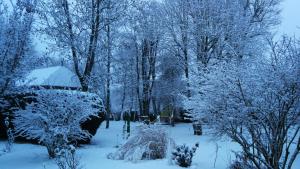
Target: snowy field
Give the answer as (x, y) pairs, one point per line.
(93, 156)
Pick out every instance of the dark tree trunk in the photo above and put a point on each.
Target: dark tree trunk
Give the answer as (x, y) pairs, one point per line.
(184, 37)
(95, 24)
(108, 104)
(145, 80)
(148, 72)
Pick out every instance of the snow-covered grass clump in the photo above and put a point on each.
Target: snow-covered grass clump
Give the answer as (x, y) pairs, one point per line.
(150, 142)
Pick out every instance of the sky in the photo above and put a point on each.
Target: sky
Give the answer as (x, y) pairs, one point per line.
(290, 21)
(290, 18)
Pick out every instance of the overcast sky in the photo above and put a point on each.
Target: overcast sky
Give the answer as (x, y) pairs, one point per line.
(290, 21)
(290, 18)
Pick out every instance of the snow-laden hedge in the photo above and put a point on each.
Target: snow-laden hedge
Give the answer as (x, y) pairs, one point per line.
(150, 142)
(56, 116)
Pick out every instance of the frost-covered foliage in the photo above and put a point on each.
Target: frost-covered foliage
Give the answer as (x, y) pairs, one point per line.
(256, 102)
(204, 33)
(15, 26)
(182, 155)
(150, 142)
(56, 117)
(170, 82)
(67, 159)
(241, 162)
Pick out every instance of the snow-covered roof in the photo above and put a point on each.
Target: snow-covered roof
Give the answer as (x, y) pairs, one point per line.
(52, 76)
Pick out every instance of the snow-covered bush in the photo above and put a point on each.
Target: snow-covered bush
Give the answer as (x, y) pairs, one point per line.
(66, 158)
(240, 165)
(55, 118)
(241, 162)
(182, 155)
(150, 142)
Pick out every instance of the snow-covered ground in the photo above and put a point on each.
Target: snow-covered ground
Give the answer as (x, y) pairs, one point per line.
(93, 156)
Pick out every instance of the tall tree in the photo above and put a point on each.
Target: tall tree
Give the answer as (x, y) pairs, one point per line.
(148, 37)
(74, 25)
(113, 15)
(178, 25)
(241, 24)
(15, 30)
(256, 103)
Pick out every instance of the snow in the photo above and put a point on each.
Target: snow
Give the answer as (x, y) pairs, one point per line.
(52, 76)
(94, 156)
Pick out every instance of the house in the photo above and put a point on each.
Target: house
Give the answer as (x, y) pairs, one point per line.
(57, 77)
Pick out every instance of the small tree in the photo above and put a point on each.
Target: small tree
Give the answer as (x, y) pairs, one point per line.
(56, 117)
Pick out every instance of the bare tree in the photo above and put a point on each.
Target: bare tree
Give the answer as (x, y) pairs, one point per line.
(145, 31)
(178, 25)
(74, 25)
(257, 105)
(229, 35)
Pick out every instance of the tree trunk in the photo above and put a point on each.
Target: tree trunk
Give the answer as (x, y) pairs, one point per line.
(95, 24)
(186, 68)
(124, 93)
(137, 63)
(108, 104)
(154, 104)
(145, 78)
(184, 36)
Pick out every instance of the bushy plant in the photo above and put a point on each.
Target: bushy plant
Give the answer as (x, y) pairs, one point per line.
(241, 162)
(55, 119)
(182, 155)
(66, 158)
(149, 142)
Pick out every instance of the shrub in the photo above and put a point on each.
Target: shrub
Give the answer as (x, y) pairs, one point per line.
(183, 155)
(241, 162)
(66, 158)
(55, 119)
(150, 142)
